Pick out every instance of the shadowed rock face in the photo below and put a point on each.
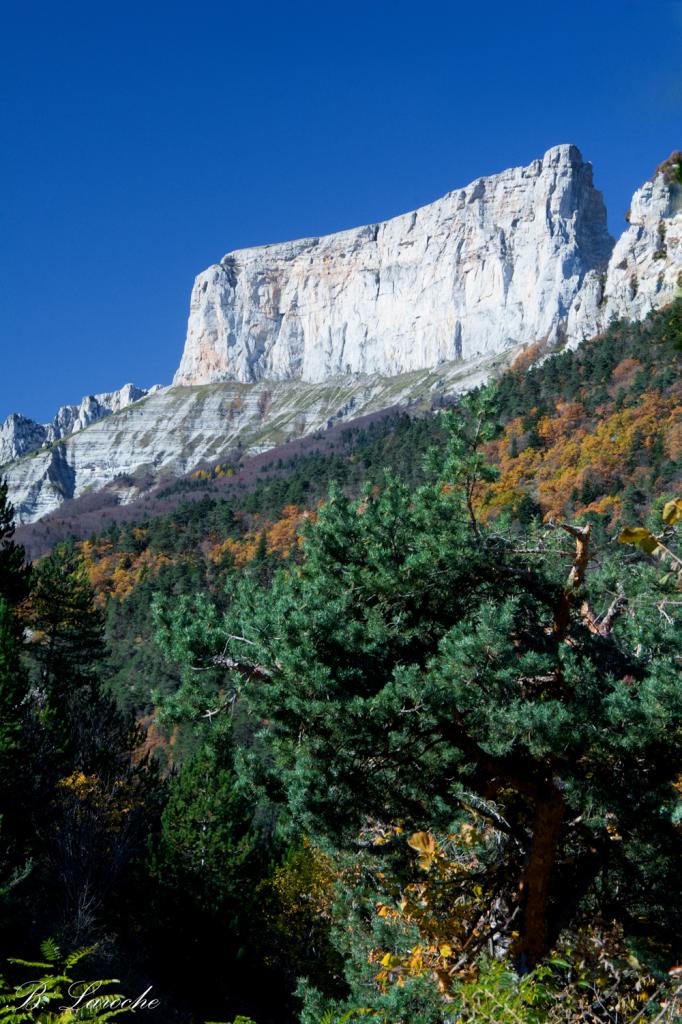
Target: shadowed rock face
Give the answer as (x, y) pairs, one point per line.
(492, 265)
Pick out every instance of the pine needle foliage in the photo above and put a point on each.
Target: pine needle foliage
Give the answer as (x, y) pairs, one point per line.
(415, 656)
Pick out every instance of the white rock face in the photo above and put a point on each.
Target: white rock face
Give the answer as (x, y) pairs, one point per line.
(177, 429)
(496, 264)
(20, 435)
(72, 418)
(284, 338)
(645, 269)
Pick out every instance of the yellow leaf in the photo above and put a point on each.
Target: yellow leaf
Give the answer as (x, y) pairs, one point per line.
(640, 536)
(390, 961)
(633, 535)
(446, 951)
(672, 513)
(423, 842)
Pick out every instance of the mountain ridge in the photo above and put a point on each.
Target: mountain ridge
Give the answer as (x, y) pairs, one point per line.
(20, 435)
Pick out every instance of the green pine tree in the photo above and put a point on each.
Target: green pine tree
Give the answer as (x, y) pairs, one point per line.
(415, 662)
(14, 571)
(94, 798)
(15, 860)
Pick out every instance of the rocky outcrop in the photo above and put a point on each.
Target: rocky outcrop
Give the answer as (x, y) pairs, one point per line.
(20, 435)
(134, 448)
(645, 269)
(92, 408)
(492, 265)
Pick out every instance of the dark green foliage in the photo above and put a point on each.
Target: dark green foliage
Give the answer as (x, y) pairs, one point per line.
(68, 651)
(214, 854)
(584, 373)
(413, 659)
(14, 573)
(69, 630)
(12, 691)
(208, 847)
(79, 807)
(15, 861)
(14, 580)
(55, 988)
(136, 663)
(671, 335)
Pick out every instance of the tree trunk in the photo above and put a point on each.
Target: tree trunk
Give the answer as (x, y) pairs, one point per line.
(537, 878)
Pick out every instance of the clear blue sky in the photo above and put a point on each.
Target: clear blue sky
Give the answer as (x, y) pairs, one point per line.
(143, 141)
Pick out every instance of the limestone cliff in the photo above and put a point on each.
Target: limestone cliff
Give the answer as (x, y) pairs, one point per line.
(645, 269)
(492, 265)
(174, 430)
(285, 338)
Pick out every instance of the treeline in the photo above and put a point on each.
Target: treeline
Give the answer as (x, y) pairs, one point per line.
(595, 430)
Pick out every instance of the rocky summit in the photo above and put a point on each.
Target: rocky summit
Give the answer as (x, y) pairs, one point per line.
(284, 339)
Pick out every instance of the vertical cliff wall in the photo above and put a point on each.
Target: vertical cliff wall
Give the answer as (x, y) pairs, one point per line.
(645, 269)
(489, 266)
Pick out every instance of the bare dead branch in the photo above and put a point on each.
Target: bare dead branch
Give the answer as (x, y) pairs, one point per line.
(245, 668)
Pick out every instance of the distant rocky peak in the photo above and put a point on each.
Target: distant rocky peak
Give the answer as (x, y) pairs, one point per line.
(20, 435)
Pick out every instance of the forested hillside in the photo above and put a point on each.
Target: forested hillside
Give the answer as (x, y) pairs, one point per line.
(393, 734)
(596, 431)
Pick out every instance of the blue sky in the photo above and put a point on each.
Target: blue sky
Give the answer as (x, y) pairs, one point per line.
(143, 141)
